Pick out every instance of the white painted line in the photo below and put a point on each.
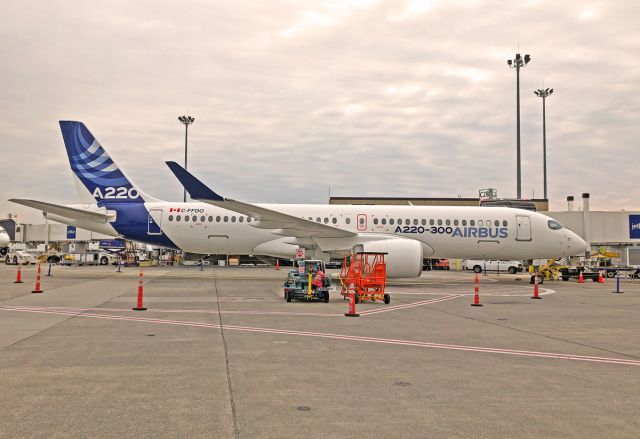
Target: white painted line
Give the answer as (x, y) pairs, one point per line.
(523, 353)
(410, 305)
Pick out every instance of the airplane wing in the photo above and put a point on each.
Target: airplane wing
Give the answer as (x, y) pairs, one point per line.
(67, 212)
(281, 223)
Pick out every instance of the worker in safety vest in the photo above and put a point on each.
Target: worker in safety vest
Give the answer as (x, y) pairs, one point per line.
(318, 279)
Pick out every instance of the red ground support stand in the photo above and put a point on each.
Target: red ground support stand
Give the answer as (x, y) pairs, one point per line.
(365, 275)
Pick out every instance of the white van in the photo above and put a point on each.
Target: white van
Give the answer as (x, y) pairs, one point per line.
(478, 265)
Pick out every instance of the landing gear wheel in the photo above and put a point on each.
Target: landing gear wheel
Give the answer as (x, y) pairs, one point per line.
(512, 270)
(477, 269)
(287, 296)
(387, 298)
(533, 280)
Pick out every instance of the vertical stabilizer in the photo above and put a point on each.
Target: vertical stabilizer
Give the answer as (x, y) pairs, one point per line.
(98, 177)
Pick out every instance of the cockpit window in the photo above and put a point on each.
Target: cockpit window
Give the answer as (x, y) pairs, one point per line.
(554, 225)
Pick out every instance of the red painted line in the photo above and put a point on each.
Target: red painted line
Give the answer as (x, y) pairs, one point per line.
(554, 355)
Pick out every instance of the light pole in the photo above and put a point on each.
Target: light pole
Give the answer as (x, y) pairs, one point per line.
(544, 94)
(516, 63)
(186, 120)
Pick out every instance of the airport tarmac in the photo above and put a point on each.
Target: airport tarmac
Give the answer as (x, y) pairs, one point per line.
(220, 354)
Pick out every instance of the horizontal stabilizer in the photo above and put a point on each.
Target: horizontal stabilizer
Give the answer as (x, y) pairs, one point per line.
(65, 211)
(197, 189)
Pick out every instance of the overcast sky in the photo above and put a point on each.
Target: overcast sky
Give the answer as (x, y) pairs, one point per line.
(369, 98)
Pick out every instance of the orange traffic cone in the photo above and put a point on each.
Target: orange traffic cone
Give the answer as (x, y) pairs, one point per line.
(139, 306)
(37, 290)
(535, 287)
(277, 264)
(580, 278)
(600, 278)
(19, 275)
(476, 295)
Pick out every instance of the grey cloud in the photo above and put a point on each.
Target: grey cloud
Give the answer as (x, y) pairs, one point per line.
(362, 96)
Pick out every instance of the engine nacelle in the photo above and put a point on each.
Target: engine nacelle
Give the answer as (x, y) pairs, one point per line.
(404, 256)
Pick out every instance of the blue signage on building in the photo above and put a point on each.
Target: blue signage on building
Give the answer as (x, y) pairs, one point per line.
(634, 226)
(71, 232)
(111, 243)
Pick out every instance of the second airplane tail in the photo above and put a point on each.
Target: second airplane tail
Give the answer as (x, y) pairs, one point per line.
(96, 174)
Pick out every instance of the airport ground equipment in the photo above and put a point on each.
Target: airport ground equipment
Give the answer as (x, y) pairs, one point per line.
(299, 282)
(365, 275)
(567, 273)
(551, 270)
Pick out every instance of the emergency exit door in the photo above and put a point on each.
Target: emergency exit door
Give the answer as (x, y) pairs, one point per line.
(524, 228)
(153, 227)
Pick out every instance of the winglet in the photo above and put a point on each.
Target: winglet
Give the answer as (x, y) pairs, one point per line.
(197, 189)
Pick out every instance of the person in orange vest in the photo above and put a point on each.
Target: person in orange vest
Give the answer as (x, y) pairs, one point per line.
(318, 279)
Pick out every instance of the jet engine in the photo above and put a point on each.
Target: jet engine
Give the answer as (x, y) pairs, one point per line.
(404, 256)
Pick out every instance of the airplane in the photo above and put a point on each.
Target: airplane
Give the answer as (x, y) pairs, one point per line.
(4, 241)
(211, 224)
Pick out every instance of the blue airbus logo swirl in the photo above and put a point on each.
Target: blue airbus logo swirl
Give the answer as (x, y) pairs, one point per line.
(93, 166)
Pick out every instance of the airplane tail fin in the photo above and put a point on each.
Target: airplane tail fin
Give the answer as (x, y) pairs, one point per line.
(98, 177)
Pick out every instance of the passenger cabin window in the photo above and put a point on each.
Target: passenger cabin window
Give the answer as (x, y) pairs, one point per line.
(186, 218)
(178, 218)
(455, 222)
(439, 222)
(334, 220)
(472, 223)
(415, 222)
(170, 217)
(384, 221)
(504, 223)
(554, 225)
(241, 219)
(448, 222)
(226, 219)
(391, 221)
(347, 220)
(424, 222)
(431, 222)
(464, 222)
(210, 219)
(326, 220)
(202, 218)
(496, 223)
(375, 221)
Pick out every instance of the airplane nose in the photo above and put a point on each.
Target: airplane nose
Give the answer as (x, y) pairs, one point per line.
(577, 245)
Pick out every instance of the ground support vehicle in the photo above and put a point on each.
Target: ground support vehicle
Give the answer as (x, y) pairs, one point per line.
(87, 258)
(478, 265)
(299, 286)
(365, 275)
(567, 273)
(26, 258)
(611, 272)
(550, 271)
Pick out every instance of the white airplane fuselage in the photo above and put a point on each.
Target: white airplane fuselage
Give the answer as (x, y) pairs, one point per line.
(444, 232)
